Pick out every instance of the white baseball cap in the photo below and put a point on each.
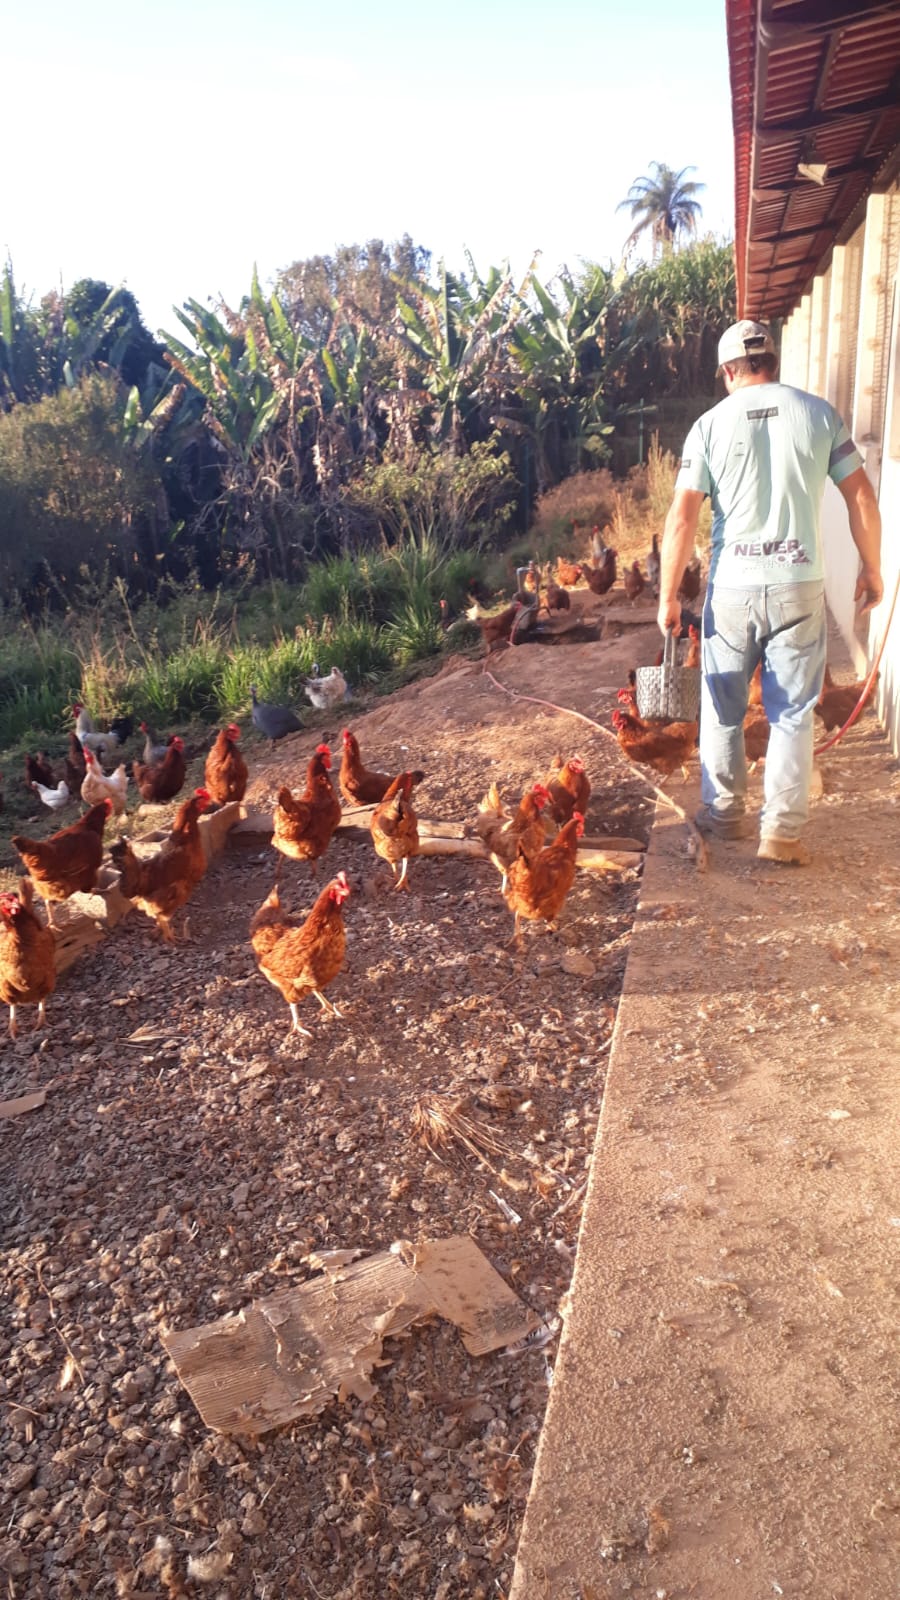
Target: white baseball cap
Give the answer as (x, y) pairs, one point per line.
(745, 339)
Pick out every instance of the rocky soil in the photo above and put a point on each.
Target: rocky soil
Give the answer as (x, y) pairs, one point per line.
(170, 1179)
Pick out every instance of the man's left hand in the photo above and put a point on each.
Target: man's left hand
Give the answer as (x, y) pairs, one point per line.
(869, 589)
(669, 616)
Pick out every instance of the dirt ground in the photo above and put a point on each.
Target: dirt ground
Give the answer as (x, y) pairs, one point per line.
(723, 1417)
(167, 1182)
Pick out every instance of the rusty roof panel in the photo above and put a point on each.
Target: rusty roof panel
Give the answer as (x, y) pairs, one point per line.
(811, 82)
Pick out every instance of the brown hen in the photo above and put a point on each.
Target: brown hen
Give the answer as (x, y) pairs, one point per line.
(395, 829)
(301, 959)
(600, 578)
(69, 861)
(569, 787)
(359, 785)
(27, 956)
(503, 833)
(225, 773)
(838, 701)
(689, 587)
(567, 572)
(538, 884)
(660, 745)
(303, 827)
(633, 581)
(164, 779)
(162, 884)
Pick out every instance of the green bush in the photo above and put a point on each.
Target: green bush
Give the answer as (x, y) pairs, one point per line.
(441, 500)
(73, 494)
(195, 657)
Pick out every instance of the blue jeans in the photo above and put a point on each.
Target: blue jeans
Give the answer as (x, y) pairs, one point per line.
(783, 626)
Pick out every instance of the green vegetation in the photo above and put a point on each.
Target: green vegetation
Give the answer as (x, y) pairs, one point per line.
(73, 494)
(193, 656)
(631, 510)
(365, 402)
(305, 477)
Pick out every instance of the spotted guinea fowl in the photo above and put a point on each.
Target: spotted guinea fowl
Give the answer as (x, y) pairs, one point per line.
(273, 722)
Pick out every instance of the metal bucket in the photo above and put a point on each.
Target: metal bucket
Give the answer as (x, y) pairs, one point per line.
(669, 693)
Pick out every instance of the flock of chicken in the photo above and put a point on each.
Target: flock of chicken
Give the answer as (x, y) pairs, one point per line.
(661, 746)
(537, 863)
(538, 590)
(299, 957)
(69, 861)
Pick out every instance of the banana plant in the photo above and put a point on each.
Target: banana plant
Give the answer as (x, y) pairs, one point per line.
(30, 356)
(247, 375)
(450, 337)
(558, 353)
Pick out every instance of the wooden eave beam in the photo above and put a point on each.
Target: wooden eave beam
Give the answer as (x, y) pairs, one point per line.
(853, 169)
(820, 17)
(816, 121)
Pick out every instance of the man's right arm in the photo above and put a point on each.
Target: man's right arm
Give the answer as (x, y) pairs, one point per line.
(679, 534)
(865, 530)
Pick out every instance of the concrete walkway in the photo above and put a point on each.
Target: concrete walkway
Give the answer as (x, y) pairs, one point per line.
(724, 1417)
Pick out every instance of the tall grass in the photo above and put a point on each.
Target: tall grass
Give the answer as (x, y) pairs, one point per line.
(634, 508)
(195, 656)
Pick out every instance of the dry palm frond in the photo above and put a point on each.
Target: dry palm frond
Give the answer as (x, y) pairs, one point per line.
(437, 1120)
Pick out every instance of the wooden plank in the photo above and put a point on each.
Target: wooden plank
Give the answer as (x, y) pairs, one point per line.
(255, 830)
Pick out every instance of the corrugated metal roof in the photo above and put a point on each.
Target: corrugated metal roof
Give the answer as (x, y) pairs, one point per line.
(814, 82)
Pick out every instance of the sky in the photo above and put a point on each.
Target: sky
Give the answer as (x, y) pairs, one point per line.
(170, 146)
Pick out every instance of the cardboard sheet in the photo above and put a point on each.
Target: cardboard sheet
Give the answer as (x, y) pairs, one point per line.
(25, 1102)
(288, 1354)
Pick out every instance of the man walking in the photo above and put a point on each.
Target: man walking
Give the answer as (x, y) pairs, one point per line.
(763, 455)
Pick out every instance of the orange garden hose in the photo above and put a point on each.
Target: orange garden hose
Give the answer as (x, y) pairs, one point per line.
(835, 738)
(827, 744)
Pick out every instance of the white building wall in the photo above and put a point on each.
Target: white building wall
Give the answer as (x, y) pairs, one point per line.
(843, 341)
(888, 701)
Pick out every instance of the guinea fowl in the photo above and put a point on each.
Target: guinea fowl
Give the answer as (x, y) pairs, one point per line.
(154, 748)
(273, 722)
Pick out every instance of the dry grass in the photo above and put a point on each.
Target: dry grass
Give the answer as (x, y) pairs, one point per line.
(633, 508)
(437, 1121)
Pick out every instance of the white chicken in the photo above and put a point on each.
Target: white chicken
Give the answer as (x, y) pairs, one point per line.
(325, 692)
(54, 798)
(599, 546)
(97, 786)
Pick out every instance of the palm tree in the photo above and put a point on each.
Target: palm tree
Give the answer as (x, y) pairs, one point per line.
(665, 204)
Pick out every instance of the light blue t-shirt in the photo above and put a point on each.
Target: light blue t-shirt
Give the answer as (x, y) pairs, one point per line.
(762, 455)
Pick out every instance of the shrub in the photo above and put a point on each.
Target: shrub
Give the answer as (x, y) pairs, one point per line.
(629, 511)
(442, 499)
(73, 493)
